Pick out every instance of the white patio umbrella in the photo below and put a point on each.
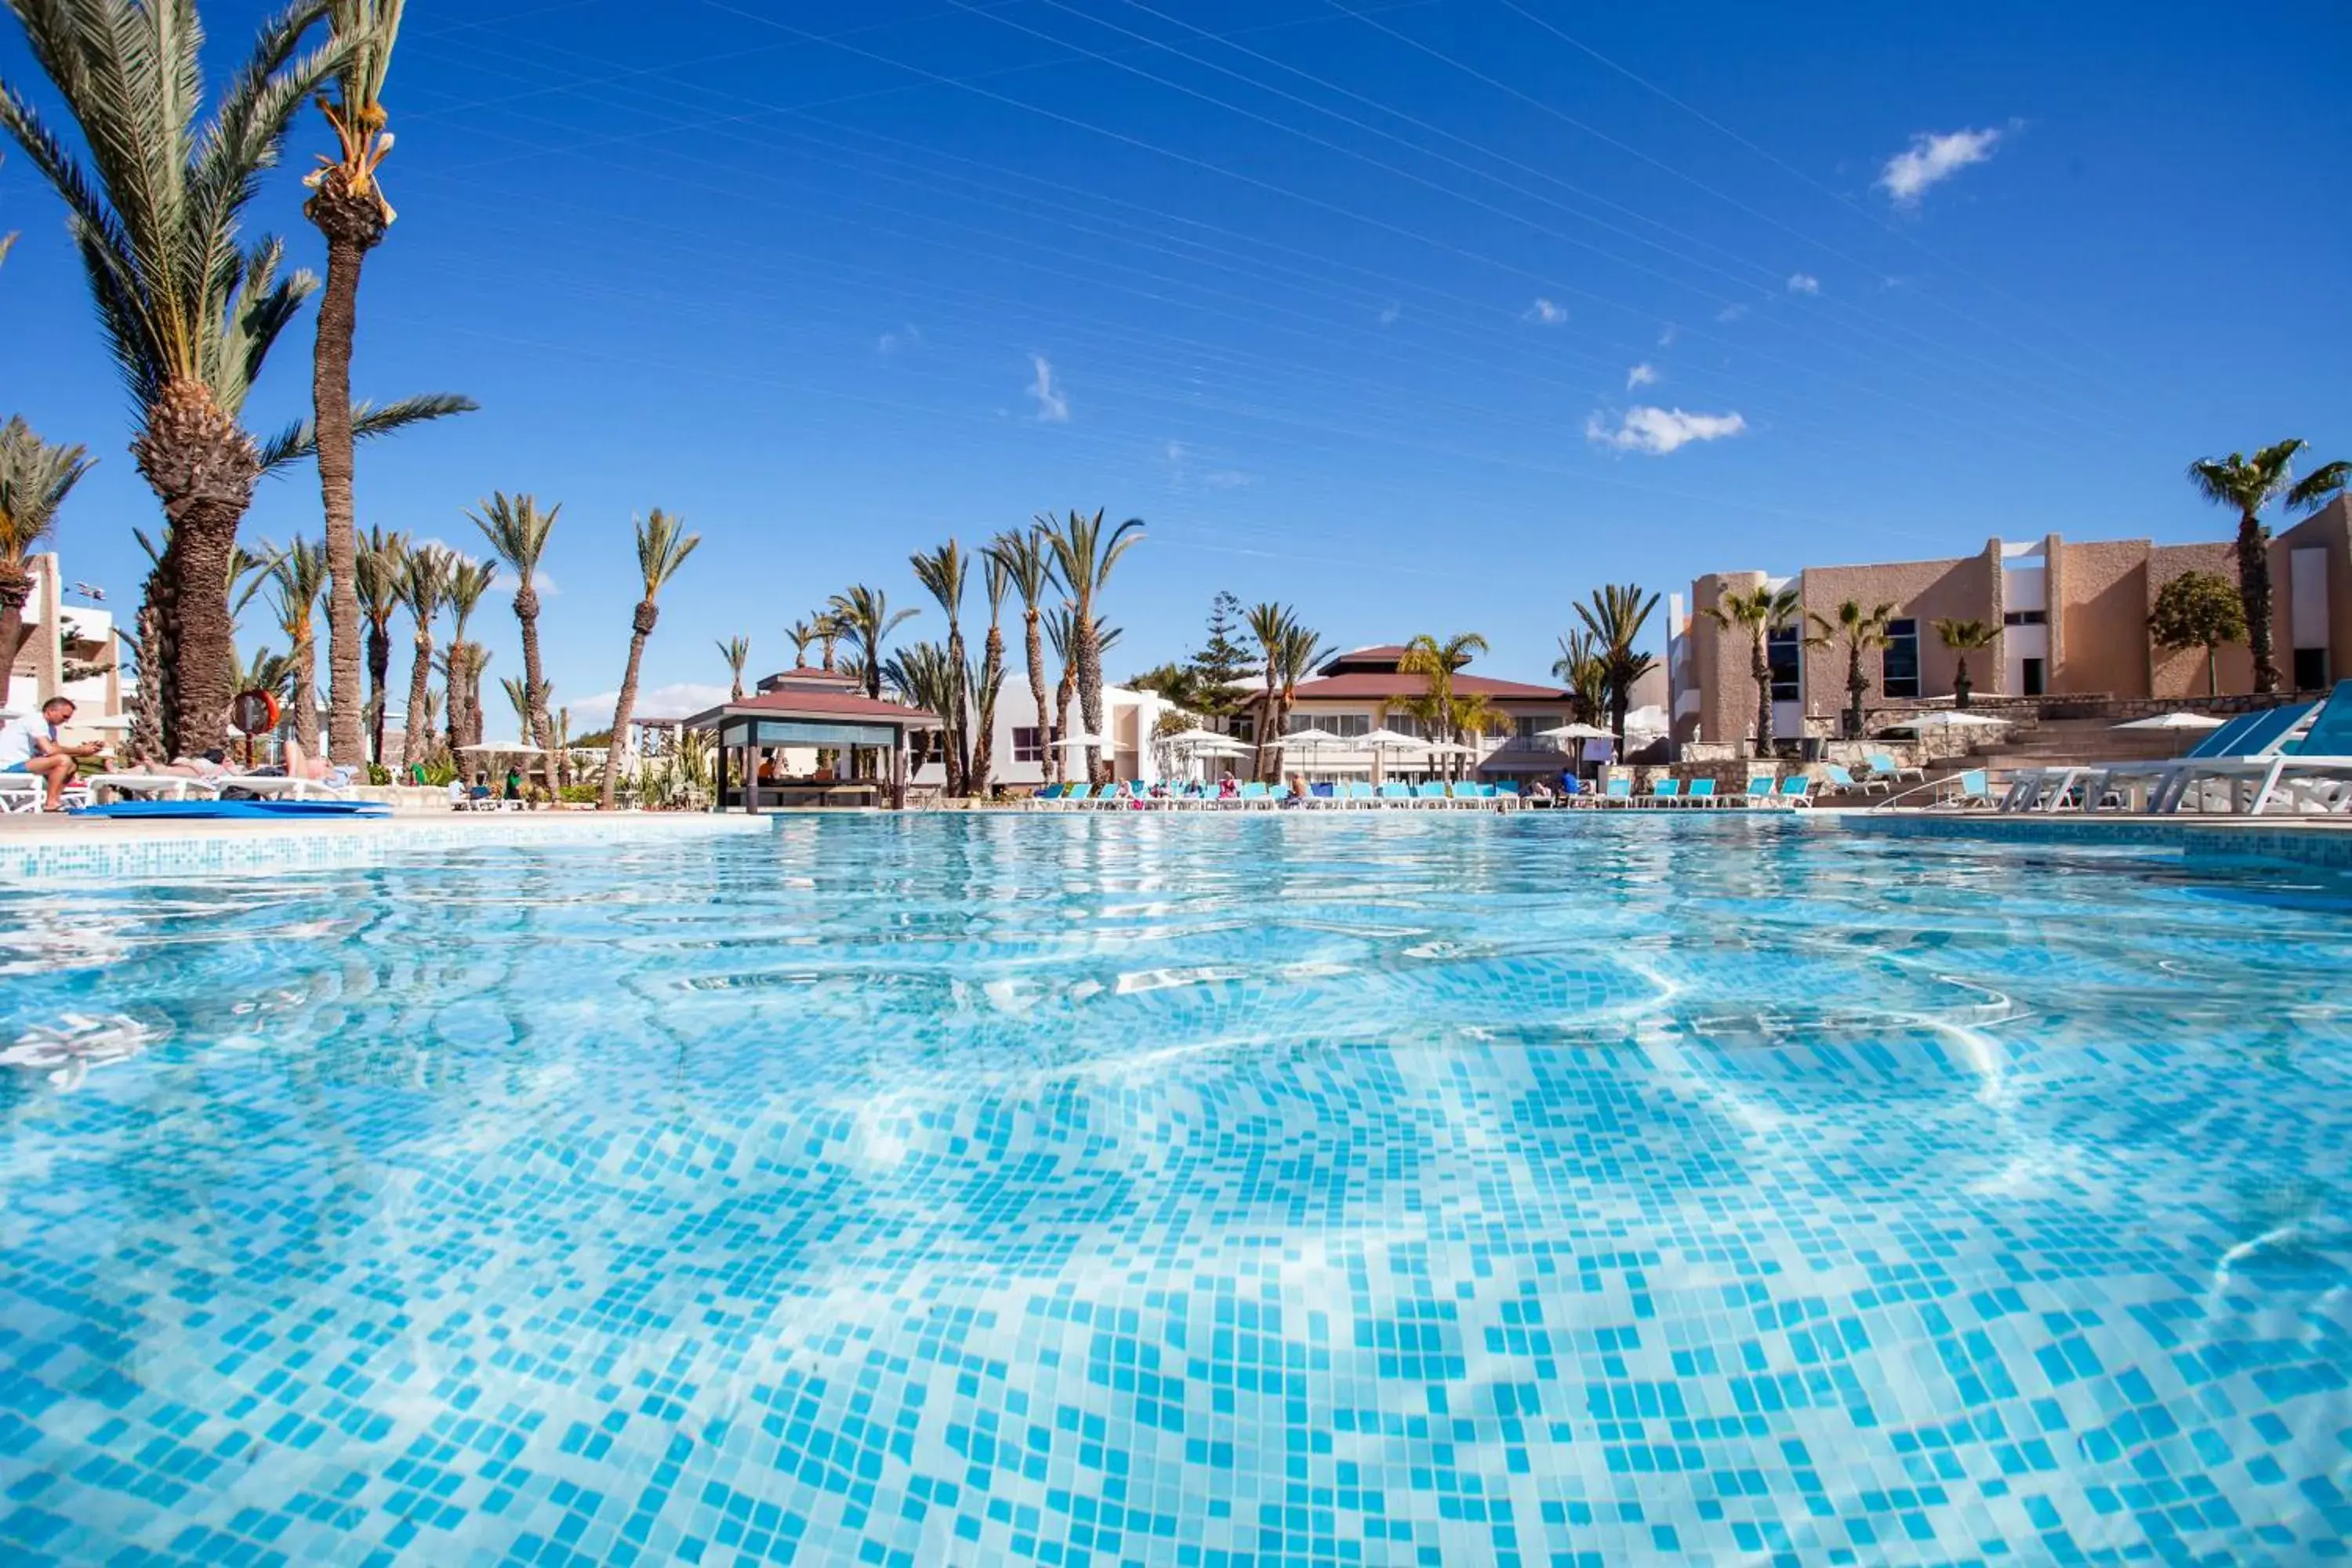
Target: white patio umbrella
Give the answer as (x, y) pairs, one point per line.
(1380, 742)
(1080, 741)
(1308, 737)
(1575, 732)
(1949, 718)
(2173, 722)
(1196, 736)
(493, 748)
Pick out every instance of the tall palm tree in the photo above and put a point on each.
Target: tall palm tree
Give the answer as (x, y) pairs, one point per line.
(800, 634)
(995, 580)
(662, 545)
(1028, 562)
(828, 631)
(349, 210)
(737, 652)
(34, 480)
(1294, 659)
(1438, 663)
(921, 674)
(1964, 637)
(1859, 631)
(1580, 669)
(424, 585)
(1084, 555)
(1614, 617)
(297, 579)
(469, 582)
(382, 562)
(189, 310)
(1271, 625)
(1759, 612)
(2246, 486)
(518, 531)
(865, 620)
(942, 573)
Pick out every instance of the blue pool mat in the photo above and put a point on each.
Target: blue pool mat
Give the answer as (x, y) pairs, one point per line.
(205, 810)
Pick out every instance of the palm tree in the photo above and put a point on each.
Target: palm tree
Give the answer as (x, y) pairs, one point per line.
(863, 619)
(1028, 560)
(1860, 631)
(1759, 612)
(188, 310)
(737, 652)
(518, 531)
(424, 583)
(941, 572)
(469, 581)
(800, 634)
(1580, 669)
(1964, 637)
(922, 674)
(381, 563)
(662, 545)
(530, 703)
(350, 211)
(1083, 556)
(828, 631)
(1271, 625)
(1062, 633)
(34, 480)
(995, 580)
(1614, 617)
(298, 579)
(1438, 663)
(1294, 659)
(2247, 485)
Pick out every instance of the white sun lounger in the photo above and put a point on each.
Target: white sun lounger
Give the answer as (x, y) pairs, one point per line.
(169, 786)
(2313, 772)
(21, 794)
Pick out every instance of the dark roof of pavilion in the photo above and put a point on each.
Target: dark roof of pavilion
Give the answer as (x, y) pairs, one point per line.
(856, 706)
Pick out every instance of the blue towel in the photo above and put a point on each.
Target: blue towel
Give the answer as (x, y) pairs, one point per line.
(207, 810)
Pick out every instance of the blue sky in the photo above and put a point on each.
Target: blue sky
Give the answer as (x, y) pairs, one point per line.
(1424, 316)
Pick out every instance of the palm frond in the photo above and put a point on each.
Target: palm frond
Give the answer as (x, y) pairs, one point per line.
(2322, 485)
(297, 442)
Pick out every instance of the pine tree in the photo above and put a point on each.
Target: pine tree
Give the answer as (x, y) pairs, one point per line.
(1223, 660)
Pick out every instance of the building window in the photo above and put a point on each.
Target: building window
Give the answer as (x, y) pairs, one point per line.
(1784, 652)
(1243, 728)
(1028, 744)
(1408, 724)
(1898, 665)
(1346, 725)
(2026, 618)
(2310, 669)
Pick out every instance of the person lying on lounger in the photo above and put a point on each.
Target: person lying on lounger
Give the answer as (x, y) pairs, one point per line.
(31, 746)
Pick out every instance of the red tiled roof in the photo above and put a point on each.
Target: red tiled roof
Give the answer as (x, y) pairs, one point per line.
(1372, 684)
(821, 705)
(1378, 653)
(806, 674)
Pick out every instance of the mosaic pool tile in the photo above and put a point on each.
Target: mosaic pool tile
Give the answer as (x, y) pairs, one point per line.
(1189, 1192)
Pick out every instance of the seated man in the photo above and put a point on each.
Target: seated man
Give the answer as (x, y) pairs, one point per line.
(481, 790)
(31, 746)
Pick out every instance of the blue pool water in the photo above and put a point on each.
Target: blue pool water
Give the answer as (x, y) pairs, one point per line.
(1381, 1190)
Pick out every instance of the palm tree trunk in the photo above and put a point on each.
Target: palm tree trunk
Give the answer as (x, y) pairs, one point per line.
(1090, 696)
(627, 702)
(2254, 589)
(2213, 670)
(305, 696)
(203, 466)
(1961, 685)
(1033, 650)
(415, 739)
(1761, 666)
(379, 664)
(526, 603)
(16, 592)
(352, 226)
(983, 745)
(1063, 690)
(155, 655)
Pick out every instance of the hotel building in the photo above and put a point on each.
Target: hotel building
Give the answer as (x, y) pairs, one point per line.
(2071, 618)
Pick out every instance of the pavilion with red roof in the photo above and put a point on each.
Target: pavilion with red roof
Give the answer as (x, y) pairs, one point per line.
(806, 713)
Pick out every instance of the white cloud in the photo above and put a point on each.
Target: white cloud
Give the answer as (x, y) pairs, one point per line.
(1228, 480)
(1666, 339)
(1658, 431)
(1389, 317)
(1642, 374)
(1932, 159)
(1175, 452)
(682, 701)
(1053, 403)
(504, 583)
(907, 337)
(1803, 283)
(1546, 312)
(1731, 312)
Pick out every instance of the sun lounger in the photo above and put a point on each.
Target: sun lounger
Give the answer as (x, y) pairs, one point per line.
(1663, 792)
(1618, 791)
(1884, 766)
(166, 787)
(1796, 791)
(1847, 784)
(2248, 759)
(2049, 789)
(1701, 793)
(1758, 790)
(21, 794)
(2312, 771)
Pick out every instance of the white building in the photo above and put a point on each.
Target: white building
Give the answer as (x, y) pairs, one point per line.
(69, 651)
(1019, 760)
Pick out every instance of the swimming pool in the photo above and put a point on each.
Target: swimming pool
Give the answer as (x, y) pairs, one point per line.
(1275, 1191)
